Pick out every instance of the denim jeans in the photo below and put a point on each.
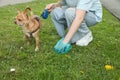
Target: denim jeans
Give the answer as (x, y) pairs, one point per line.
(63, 18)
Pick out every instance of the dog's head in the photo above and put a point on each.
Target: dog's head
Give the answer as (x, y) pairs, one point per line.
(22, 17)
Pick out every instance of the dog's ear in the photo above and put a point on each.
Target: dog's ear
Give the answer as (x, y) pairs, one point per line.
(28, 8)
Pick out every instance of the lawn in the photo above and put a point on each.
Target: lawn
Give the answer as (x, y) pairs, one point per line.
(81, 63)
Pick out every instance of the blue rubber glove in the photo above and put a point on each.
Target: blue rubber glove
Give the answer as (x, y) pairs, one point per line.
(61, 47)
(45, 14)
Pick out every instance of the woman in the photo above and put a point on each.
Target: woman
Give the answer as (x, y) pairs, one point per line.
(77, 16)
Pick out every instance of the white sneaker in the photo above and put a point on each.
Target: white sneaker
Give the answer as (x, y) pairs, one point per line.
(85, 40)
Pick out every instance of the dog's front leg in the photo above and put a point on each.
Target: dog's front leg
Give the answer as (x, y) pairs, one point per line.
(27, 39)
(37, 42)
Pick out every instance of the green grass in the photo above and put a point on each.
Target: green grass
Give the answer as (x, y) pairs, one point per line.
(81, 63)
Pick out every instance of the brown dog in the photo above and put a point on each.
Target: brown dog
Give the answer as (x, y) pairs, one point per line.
(30, 24)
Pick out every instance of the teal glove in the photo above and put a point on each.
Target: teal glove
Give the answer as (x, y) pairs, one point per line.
(61, 47)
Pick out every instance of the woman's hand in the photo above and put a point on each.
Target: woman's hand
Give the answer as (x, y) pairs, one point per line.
(62, 48)
(50, 7)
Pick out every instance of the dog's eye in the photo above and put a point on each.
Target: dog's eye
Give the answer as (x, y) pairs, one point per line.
(19, 20)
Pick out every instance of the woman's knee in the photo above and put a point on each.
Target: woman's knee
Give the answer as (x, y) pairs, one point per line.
(70, 13)
(57, 13)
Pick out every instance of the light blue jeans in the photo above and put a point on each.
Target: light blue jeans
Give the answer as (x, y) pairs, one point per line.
(63, 18)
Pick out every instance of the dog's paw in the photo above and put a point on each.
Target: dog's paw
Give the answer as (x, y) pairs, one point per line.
(21, 48)
(36, 49)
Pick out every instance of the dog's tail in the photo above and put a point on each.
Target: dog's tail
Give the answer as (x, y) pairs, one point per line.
(37, 18)
(28, 8)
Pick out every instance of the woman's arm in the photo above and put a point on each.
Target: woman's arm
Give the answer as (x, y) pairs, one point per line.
(80, 14)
